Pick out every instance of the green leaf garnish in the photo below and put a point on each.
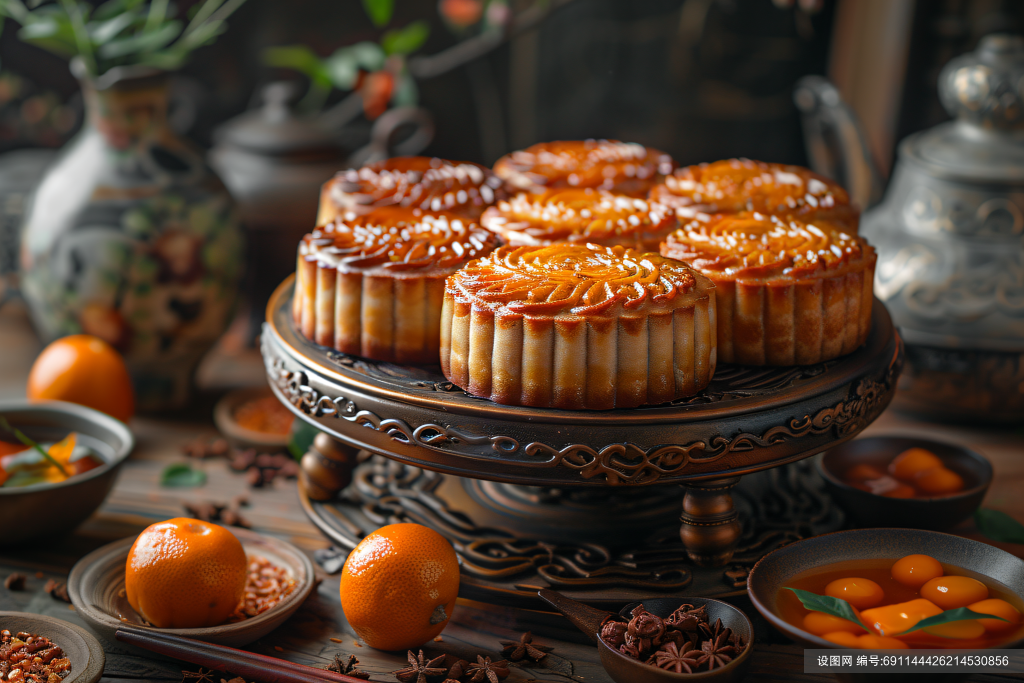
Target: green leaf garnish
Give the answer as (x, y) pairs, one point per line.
(837, 607)
(20, 436)
(949, 616)
(998, 526)
(182, 475)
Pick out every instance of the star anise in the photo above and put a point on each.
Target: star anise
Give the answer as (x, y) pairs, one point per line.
(516, 650)
(486, 670)
(672, 657)
(711, 631)
(719, 651)
(198, 676)
(456, 671)
(420, 669)
(347, 667)
(613, 633)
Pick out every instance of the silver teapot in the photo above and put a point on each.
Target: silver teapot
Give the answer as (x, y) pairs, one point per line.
(949, 232)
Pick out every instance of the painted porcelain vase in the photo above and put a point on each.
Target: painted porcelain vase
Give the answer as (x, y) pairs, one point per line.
(132, 238)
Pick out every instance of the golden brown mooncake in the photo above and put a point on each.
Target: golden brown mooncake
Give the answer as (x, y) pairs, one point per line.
(429, 184)
(373, 285)
(580, 215)
(735, 185)
(788, 292)
(621, 167)
(578, 327)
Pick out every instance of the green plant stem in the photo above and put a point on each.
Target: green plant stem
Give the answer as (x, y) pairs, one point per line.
(81, 34)
(156, 16)
(20, 436)
(205, 10)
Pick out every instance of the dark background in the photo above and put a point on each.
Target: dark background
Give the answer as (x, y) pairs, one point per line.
(701, 79)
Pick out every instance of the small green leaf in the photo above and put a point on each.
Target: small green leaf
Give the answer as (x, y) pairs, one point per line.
(300, 58)
(368, 55)
(406, 40)
(949, 616)
(301, 438)
(998, 526)
(142, 42)
(342, 68)
(182, 475)
(20, 436)
(827, 604)
(379, 11)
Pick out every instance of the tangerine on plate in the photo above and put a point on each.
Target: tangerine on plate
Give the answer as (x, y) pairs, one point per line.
(85, 370)
(997, 608)
(911, 461)
(861, 593)
(950, 592)
(916, 570)
(185, 573)
(399, 585)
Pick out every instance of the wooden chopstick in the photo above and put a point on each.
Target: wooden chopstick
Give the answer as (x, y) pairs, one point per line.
(248, 665)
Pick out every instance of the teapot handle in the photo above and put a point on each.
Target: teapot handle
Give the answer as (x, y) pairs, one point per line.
(835, 141)
(382, 144)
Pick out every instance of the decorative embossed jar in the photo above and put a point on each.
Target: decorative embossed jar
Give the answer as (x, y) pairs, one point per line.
(950, 239)
(132, 238)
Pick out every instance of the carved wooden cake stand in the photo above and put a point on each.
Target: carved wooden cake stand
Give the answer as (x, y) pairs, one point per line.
(582, 501)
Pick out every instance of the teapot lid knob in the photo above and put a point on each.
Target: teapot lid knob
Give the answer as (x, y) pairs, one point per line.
(986, 88)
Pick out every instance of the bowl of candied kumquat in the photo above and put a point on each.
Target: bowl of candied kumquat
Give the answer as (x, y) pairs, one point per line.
(894, 481)
(888, 589)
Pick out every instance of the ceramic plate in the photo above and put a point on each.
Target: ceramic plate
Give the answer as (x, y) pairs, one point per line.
(96, 588)
(80, 646)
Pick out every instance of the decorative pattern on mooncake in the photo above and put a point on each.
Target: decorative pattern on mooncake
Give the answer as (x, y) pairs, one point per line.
(735, 185)
(788, 292)
(580, 215)
(425, 183)
(621, 167)
(373, 285)
(578, 327)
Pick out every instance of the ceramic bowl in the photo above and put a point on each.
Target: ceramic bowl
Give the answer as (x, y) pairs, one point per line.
(870, 510)
(623, 669)
(56, 508)
(224, 418)
(96, 589)
(80, 647)
(775, 570)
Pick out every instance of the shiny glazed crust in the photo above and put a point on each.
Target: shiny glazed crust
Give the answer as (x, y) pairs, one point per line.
(734, 185)
(788, 292)
(425, 183)
(373, 286)
(621, 167)
(578, 327)
(580, 215)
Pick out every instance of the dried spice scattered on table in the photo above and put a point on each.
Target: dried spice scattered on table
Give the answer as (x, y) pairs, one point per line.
(420, 669)
(456, 671)
(486, 670)
(517, 650)
(259, 468)
(228, 514)
(15, 582)
(683, 642)
(200, 676)
(58, 590)
(31, 658)
(347, 666)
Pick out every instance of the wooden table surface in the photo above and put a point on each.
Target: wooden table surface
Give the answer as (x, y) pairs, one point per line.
(138, 500)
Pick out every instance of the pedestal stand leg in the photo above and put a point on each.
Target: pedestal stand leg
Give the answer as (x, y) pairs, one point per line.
(327, 467)
(710, 524)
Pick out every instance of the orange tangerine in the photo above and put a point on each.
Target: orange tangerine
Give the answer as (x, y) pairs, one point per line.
(907, 464)
(185, 573)
(399, 585)
(861, 593)
(950, 592)
(916, 570)
(997, 608)
(821, 624)
(84, 370)
(890, 620)
(938, 481)
(842, 639)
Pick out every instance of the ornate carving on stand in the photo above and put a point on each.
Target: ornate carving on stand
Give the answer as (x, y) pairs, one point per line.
(710, 523)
